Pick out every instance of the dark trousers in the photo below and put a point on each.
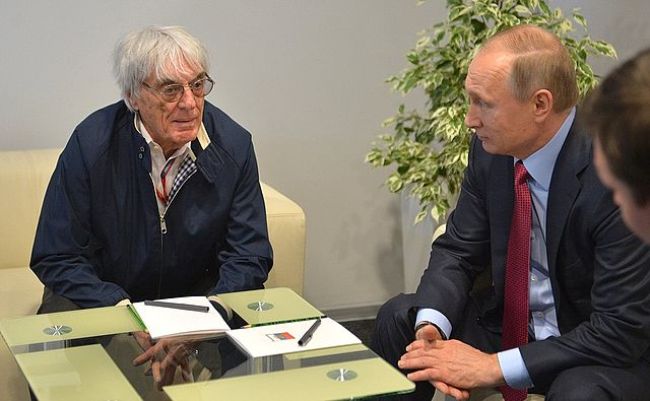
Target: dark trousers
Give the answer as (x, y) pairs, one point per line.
(53, 303)
(395, 330)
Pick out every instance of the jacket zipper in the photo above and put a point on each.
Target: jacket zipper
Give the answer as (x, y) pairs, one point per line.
(163, 231)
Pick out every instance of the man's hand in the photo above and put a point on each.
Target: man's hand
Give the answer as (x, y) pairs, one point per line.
(451, 364)
(165, 356)
(143, 339)
(428, 333)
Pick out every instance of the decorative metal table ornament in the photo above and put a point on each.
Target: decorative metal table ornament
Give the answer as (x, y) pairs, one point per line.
(260, 306)
(342, 375)
(57, 330)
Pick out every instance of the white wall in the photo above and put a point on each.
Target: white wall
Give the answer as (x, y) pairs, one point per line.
(304, 76)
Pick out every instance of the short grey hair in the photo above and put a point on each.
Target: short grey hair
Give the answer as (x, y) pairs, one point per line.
(541, 61)
(158, 50)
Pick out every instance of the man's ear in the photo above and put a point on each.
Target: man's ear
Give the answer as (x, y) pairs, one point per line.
(542, 103)
(134, 102)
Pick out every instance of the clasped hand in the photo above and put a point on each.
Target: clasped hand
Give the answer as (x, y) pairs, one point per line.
(451, 366)
(165, 356)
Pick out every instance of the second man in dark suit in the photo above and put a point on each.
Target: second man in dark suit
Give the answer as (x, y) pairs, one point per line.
(618, 112)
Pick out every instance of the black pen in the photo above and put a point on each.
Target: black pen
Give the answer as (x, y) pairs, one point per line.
(310, 332)
(175, 305)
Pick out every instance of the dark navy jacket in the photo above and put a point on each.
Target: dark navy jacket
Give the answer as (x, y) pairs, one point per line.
(100, 238)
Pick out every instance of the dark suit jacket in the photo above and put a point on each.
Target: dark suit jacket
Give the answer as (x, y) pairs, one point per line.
(600, 272)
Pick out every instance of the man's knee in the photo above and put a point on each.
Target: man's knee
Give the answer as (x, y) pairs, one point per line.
(53, 302)
(578, 384)
(393, 326)
(395, 312)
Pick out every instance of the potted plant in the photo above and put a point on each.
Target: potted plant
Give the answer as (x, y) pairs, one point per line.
(428, 146)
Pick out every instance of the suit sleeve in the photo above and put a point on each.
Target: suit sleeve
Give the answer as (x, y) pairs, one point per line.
(64, 242)
(247, 257)
(617, 332)
(463, 251)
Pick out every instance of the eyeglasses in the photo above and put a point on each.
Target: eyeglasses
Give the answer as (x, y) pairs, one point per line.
(173, 92)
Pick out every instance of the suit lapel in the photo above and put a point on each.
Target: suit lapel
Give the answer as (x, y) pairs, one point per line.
(501, 197)
(565, 186)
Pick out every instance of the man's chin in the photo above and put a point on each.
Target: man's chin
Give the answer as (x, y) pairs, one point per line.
(487, 146)
(181, 137)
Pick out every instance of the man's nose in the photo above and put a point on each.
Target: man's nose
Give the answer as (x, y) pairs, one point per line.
(187, 100)
(471, 118)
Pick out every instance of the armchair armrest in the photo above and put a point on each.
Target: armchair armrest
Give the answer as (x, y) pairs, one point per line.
(286, 222)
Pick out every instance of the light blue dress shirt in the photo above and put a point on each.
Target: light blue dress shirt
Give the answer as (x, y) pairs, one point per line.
(543, 322)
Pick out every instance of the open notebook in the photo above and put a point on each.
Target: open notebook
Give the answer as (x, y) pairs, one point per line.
(165, 322)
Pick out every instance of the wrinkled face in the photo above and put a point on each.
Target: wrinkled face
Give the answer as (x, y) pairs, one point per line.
(503, 124)
(170, 124)
(637, 218)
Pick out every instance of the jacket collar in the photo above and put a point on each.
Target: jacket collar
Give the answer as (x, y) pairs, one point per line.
(208, 162)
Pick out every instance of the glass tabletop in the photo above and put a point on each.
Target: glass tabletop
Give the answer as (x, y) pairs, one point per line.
(88, 354)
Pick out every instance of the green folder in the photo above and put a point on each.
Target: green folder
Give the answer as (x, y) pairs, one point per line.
(268, 306)
(336, 381)
(79, 373)
(68, 325)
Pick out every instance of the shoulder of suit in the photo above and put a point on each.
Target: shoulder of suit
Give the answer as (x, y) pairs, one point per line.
(226, 134)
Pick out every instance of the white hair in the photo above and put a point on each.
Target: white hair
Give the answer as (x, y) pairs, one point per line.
(161, 50)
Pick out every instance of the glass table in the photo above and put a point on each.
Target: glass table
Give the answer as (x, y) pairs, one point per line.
(87, 355)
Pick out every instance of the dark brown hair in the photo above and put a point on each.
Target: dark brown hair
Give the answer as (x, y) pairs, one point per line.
(617, 113)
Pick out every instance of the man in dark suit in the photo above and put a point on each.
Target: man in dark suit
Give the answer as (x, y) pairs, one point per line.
(618, 113)
(554, 258)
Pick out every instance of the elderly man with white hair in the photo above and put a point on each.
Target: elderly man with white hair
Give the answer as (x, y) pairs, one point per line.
(155, 196)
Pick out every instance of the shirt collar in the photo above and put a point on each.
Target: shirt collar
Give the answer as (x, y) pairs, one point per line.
(540, 164)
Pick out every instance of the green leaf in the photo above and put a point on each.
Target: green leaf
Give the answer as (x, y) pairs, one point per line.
(579, 18)
(413, 57)
(604, 48)
(420, 216)
(544, 7)
(395, 184)
(523, 10)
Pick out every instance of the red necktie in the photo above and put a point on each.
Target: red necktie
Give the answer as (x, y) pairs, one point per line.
(515, 309)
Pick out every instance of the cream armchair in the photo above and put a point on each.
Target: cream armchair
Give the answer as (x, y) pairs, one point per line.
(24, 176)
